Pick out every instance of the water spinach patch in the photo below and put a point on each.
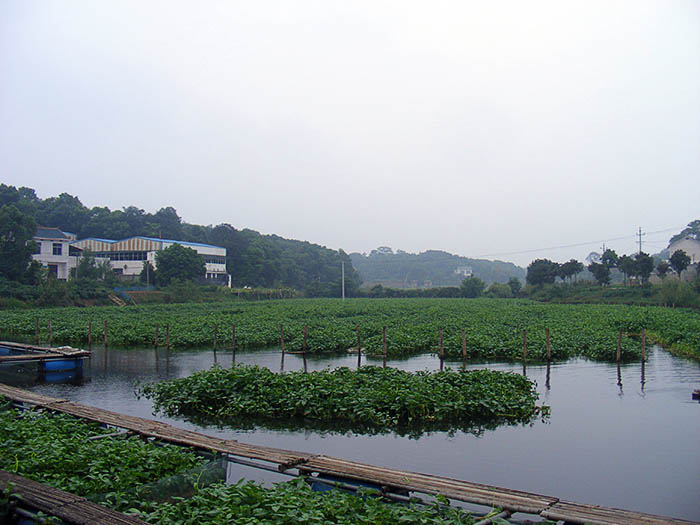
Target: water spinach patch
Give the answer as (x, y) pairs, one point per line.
(368, 399)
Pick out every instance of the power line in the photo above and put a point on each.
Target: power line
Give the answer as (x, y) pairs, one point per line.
(577, 245)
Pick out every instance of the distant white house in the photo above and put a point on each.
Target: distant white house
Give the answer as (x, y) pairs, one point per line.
(466, 271)
(688, 245)
(54, 251)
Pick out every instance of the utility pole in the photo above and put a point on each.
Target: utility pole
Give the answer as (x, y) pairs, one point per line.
(640, 234)
(342, 269)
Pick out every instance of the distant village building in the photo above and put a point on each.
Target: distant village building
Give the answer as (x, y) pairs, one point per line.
(466, 271)
(60, 252)
(54, 251)
(689, 245)
(126, 257)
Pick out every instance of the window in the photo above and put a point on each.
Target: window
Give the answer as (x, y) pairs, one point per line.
(57, 248)
(38, 247)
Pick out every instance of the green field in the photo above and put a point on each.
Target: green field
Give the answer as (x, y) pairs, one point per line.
(493, 327)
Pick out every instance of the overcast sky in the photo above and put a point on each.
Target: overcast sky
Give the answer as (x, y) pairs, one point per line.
(485, 128)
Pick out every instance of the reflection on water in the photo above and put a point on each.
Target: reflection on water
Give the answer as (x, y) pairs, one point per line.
(637, 451)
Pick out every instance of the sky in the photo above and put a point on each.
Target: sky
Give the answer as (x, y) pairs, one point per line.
(499, 130)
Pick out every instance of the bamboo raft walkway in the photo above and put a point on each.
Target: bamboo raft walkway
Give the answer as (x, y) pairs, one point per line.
(390, 480)
(40, 353)
(37, 497)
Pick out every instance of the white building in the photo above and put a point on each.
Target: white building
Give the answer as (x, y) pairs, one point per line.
(126, 256)
(54, 251)
(688, 245)
(465, 271)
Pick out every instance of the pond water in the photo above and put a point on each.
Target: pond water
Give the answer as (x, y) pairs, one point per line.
(624, 437)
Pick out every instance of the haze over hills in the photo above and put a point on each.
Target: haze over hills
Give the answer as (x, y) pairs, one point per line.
(431, 268)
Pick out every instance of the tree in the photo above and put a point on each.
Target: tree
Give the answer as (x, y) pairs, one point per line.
(609, 258)
(692, 231)
(627, 266)
(569, 269)
(515, 285)
(644, 264)
(679, 261)
(542, 271)
(499, 290)
(16, 245)
(662, 269)
(601, 273)
(472, 287)
(178, 262)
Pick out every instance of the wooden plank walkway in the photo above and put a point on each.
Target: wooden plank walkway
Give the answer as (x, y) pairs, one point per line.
(40, 353)
(516, 501)
(64, 505)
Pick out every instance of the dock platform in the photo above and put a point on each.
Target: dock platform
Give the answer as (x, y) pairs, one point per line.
(37, 497)
(18, 353)
(391, 480)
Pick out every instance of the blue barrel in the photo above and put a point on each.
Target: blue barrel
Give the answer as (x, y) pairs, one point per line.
(63, 364)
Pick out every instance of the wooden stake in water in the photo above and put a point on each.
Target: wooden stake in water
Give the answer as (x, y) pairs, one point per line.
(215, 339)
(359, 347)
(233, 343)
(442, 352)
(167, 336)
(282, 338)
(644, 344)
(306, 330)
(89, 334)
(384, 344)
(464, 348)
(549, 347)
(105, 335)
(524, 345)
(155, 339)
(51, 334)
(619, 345)
(36, 331)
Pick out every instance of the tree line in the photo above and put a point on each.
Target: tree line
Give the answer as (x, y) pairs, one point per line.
(252, 259)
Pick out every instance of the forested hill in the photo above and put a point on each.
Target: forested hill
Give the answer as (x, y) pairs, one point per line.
(253, 259)
(427, 269)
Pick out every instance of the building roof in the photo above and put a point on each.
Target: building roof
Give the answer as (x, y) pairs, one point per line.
(154, 239)
(45, 232)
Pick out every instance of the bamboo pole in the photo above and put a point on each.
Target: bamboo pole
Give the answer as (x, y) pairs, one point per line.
(524, 345)
(89, 335)
(384, 344)
(36, 331)
(306, 329)
(549, 346)
(282, 338)
(233, 343)
(619, 345)
(50, 333)
(464, 348)
(167, 336)
(215, 339)
(155, 340)
(359, 348)
(106, 339)
(442, 352)
(644, 344)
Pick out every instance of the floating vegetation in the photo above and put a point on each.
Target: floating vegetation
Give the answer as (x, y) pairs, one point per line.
(57, 449)
(370, 398)
(493, 327)
(294, 503)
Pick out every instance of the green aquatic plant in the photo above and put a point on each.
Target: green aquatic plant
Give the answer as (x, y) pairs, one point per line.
(368, 398)
(493, 328)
